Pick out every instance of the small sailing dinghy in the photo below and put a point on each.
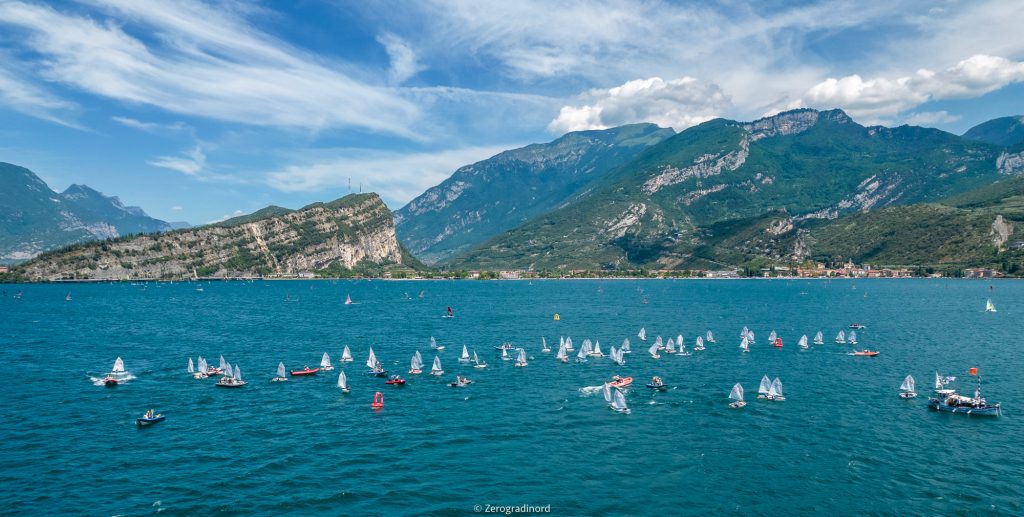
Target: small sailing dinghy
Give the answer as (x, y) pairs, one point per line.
(348, 299)
(657, 384)
(654, 351)
(584, 351)
(736, 396)
(619, 402)
(710, 337)
(616, 357)
(772, 336)
(775, 391)
(416, 364)
(841, 338)
(940, 385)
(764, 388)
(544, 348)
(642, 334)
(745, 344)
(568, 344)
(325, 363)
(460, 382)
(280, 374)
(477, 363)
(625, 347)
(670, 346)
(434, 345)
(851, 338)
(376, 370)
(744, 331)
(989, 306)
(907, 388)
(435, 369)
(819, 339)
(521, 358)
(305, 371)
(450, 314)
(504, 355)
(464, 358)
(191, 367)
(231, 379)
(149, 419)
(343, 382)
(699, 345)
(346, 355)
(777, 342)
(596, 351)
(117, 374)
(803, 342)
(563, 353)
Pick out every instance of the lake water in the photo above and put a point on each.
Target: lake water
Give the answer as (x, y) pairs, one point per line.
(842, 443)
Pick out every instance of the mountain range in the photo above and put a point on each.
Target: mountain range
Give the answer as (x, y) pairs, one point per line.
(35, 219)
(799, 185)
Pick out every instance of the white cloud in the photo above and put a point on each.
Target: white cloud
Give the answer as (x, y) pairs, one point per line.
(190, 163)
(202, 62)
(882, 100)
(177, 208)
(403, 58)
(677, 103)
(149, 127)
(225, 217)
(395, 177)
(24, 96)
(930, 118)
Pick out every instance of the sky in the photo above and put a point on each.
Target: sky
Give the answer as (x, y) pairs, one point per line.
(199, 111)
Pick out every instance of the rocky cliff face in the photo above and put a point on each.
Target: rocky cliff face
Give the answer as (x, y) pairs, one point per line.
(343, 233)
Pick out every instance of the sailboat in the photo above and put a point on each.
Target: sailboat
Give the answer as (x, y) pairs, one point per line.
(803, 342)
(775, 391)
(750, 336)
(670, 346)
(710, 338)
(200, 372)
(745, 344)
(416, 364)
(581, 355)
(433, 344)
(325, 363)
(374, 365)
(464, 358)
(348, 299)
(654, 351)
(642, 334)
(563, 354)
(476, 361)
(625, 347)
(232, 378)
(596, 352)
(989, 306)
(744, 331)
(521, 359)
(343, 382)
(736, 396)
(435, 369)
(659, 343)
(68, 297)
(764, 388)
(544, 346)
(841, 338)
(819, 339)
(771, 336)
(504, 355)
(280, 374)
(699, 345)
(907, 388)
(619, 402)
(346, 355)
(568, 344)
(852, 338)
(117, 374)
(191, 367)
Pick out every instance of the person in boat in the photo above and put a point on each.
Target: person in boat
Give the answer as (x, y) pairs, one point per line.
(616, 378)
(149, 414)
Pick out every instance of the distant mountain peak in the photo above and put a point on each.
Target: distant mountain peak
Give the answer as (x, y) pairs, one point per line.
(1004, 131)
(793, 121)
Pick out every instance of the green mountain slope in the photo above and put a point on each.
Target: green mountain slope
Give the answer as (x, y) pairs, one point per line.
(486, 198)
(690, 200)
(1005, 131)
(34, 218)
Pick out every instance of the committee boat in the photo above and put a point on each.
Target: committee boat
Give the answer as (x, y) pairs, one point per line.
(970, 406)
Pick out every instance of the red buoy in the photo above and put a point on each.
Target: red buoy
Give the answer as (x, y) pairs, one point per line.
(378, 400)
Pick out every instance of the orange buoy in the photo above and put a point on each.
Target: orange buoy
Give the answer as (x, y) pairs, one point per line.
(557, 317)
(378, 400)
(974, 371)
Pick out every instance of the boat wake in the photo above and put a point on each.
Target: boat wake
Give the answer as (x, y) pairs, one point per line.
(587, 391)
(98, 381)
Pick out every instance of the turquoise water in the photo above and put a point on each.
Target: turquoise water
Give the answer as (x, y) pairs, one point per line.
(843, 442)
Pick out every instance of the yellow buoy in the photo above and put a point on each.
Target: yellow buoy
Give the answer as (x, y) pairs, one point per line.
(557, 317)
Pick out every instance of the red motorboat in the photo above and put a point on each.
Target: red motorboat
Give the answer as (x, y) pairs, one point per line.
(305, 371)
(110, 382)
(866, 353)
(395, 381)
(777, 343)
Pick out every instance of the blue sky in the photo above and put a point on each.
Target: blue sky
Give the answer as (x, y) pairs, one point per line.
(196, 111)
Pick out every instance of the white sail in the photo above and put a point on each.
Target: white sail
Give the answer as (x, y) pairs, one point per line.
(841, 337)
(699, 345)
(670, 346)
(203, 367)
(238, 373)
(562, 354)
(852, 338)
(371, 361)
(776, 388)
(803, 341)
(607, 389)
(710, 337)
(737, 392)
(582, 354)
(476, 360)
(659, 343)
(342, 380)
(433, 342)
(415, 363)
(989, 306)
(597, 349)
(222, 364)
(505, 356)
(465, 354)
(280, 370)
(348, 299)
(521, 359)
(908, 383)
(228, 372)
(938, 381)
(435, 369)
(568, 344)
(619, 401)
(771, 336)
(419, 358)
(766, 385)
(653, 350)
(544, 345)
(819, 338)
(191, 366)
(745, 331)
(625, 346)
(118, 366)
(346, 355)
(325, 361)
(642, 334)
(745, 344)
(750, 336)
